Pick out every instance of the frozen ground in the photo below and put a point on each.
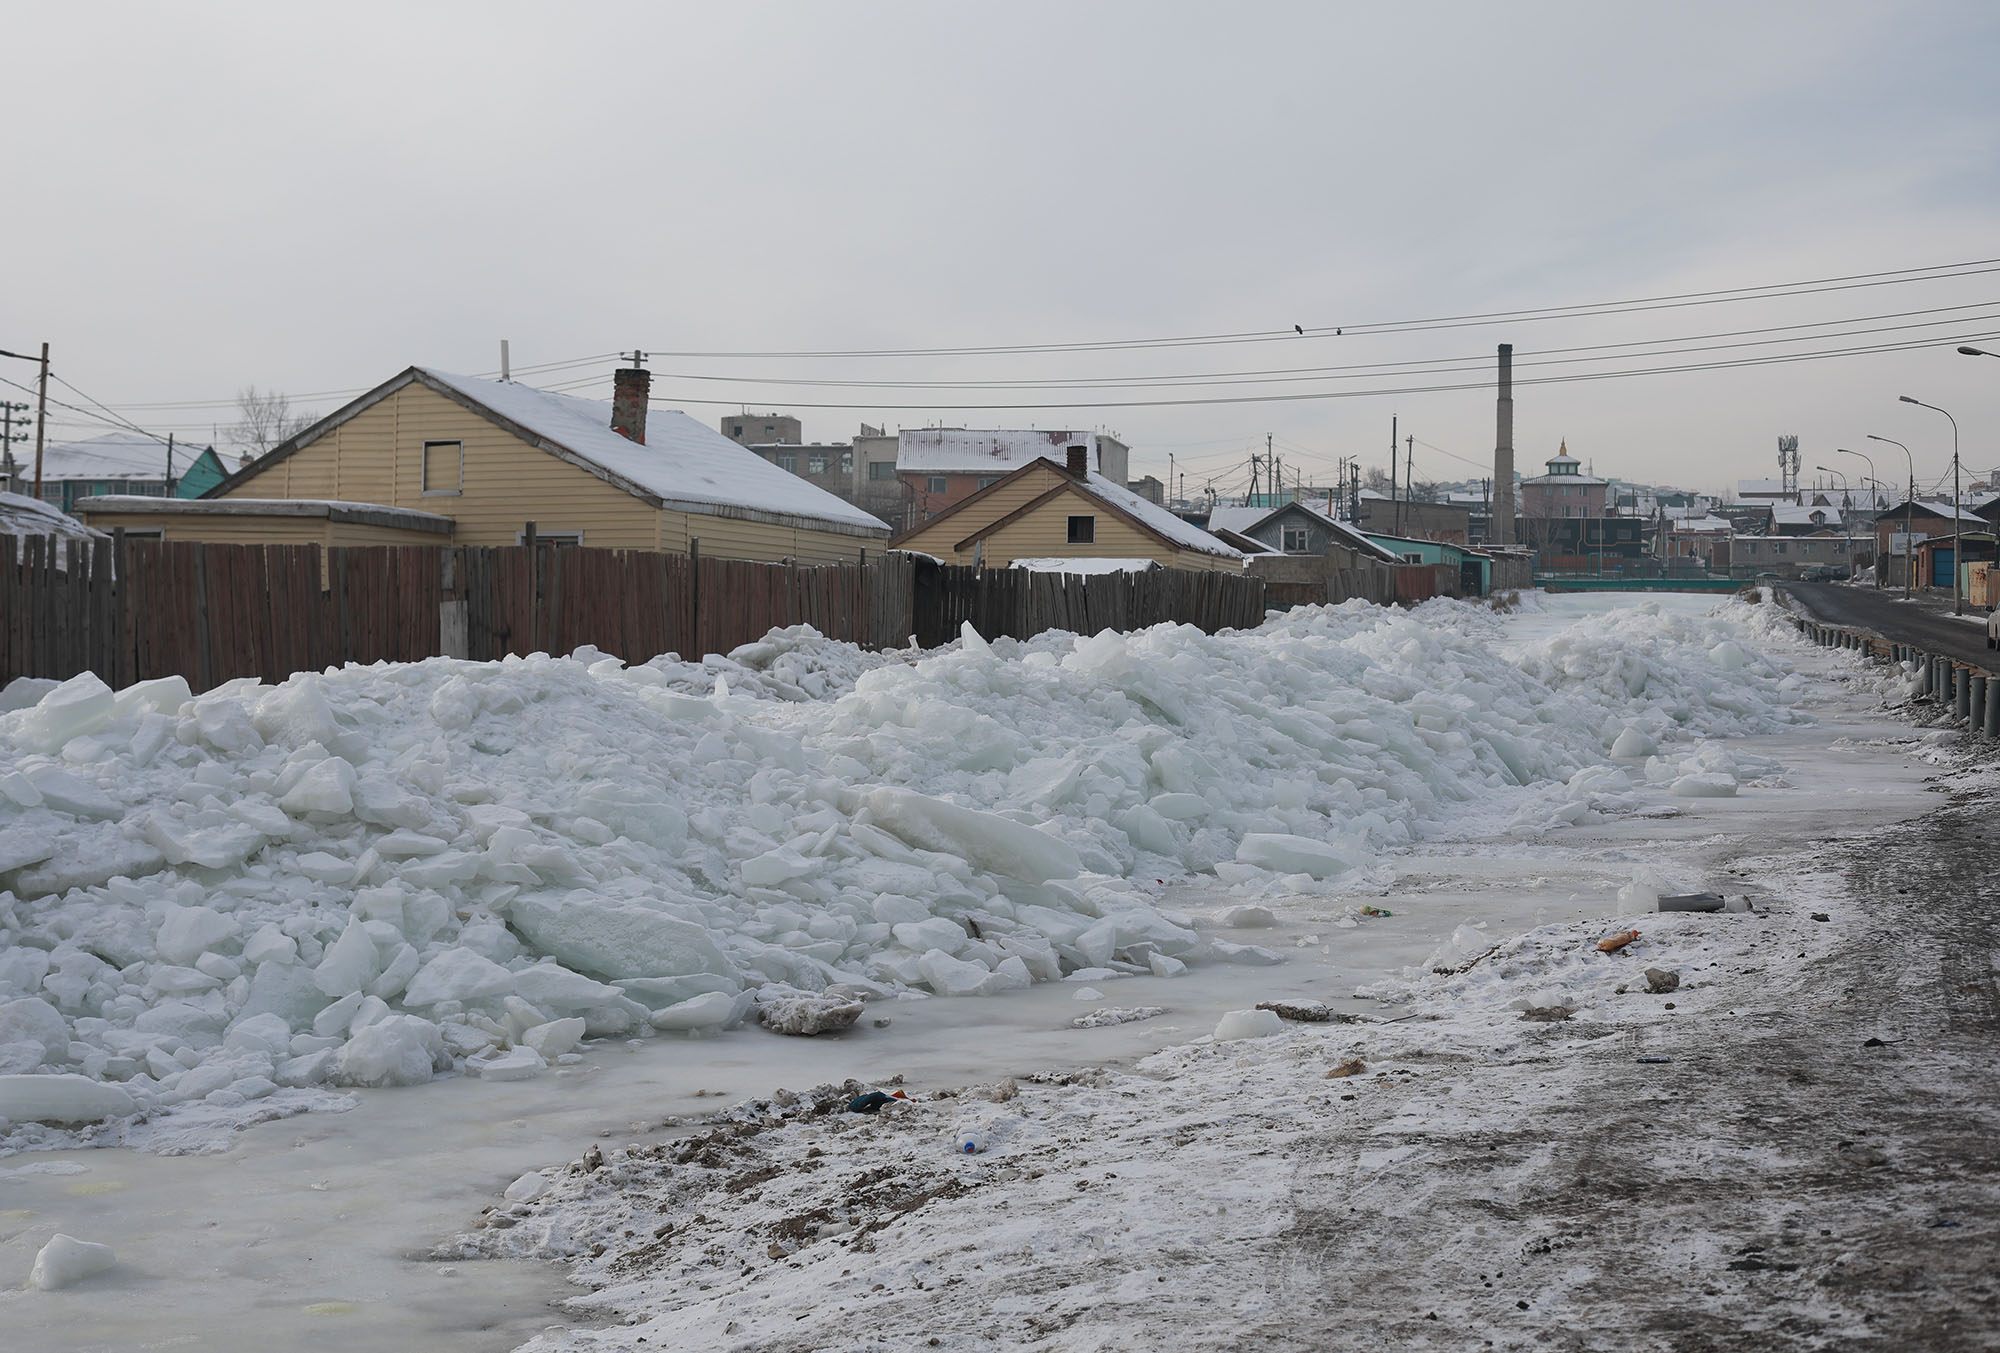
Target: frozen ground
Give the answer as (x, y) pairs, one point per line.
(314, 1230)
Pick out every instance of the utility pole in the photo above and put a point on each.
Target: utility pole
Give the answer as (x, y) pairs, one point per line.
(41, 418)
(9, 469)
(170, 465)
(1409, 474)
(1395, 511)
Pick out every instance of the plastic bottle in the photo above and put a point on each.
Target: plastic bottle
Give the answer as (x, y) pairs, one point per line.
(971, 1142)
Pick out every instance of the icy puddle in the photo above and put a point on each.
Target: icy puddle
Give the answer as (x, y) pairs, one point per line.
(315, 1229)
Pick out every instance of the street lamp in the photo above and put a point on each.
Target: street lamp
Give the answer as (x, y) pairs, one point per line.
(1871, 467)
(1909, 507)
(1957, 594)
(1978, 352)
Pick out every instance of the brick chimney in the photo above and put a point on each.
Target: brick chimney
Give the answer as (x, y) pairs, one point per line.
(1079, 460)
(630, 388)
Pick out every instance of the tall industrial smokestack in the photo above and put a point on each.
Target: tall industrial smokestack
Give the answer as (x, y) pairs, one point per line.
(1500, 530)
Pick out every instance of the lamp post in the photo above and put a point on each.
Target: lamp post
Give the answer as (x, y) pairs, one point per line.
(1978, 352)
(1909, 507)
(1871, 466)
(1957, 593)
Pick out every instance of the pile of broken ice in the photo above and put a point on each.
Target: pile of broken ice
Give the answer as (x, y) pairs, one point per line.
(375, 874)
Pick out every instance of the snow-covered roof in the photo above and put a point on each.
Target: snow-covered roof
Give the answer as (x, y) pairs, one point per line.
(1764, 488)
(687, 465)
(115, 455)
(336, 509)
(1182, 533)
(986, 451)
(1704, 525)
(1236, 517)
(1340, 530)
(1068, 565)
(1785, 514)
(21, 515)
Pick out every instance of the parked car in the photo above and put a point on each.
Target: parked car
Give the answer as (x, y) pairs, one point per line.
(1993, 628)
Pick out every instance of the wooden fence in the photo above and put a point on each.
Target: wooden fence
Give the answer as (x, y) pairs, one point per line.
(132, 610)
(1021, 604)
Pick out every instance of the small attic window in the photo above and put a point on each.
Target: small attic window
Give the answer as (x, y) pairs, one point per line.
(1297, 540)
(1083, 530)
(444, 468)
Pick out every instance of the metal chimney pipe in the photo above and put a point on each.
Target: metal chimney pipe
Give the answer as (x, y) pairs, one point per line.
(1500, 529)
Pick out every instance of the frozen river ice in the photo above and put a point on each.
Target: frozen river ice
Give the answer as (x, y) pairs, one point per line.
(312, 1231)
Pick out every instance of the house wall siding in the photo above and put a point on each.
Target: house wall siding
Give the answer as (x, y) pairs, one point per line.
(254, 530)
(1044, 533)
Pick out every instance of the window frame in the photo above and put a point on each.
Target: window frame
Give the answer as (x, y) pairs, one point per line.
(1298, 539)
(561, 540)
(937, 483)
(1082, 528)
(424, 488)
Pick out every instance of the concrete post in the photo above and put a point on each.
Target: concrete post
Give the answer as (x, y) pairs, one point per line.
(1993, 708)
(1961, 690)
(1978, 705)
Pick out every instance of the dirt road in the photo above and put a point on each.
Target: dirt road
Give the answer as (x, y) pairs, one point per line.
(1823, 1172)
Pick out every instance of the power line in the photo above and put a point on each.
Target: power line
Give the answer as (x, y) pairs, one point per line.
(1765, 360)
(1583, 310)
(1410, 366)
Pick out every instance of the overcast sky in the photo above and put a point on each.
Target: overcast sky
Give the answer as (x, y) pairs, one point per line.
(310, 198)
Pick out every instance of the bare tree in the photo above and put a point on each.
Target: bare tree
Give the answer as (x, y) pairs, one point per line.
(267, 420)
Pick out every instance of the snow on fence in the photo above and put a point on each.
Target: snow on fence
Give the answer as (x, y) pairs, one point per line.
(130, 610)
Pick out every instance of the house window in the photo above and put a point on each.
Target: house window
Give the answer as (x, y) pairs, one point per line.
(1297, 540)
(1413, 558)
(987, 481)
(816, 464)
(847, 462)
(788, 462)
(561, 539)
(444, 468)
(1083, 530)
(937, 483)
(1778, 547)
(881, 469)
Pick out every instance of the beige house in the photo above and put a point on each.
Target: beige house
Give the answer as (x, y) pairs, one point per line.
(263, 521)
(1047, 511)
(493, 457)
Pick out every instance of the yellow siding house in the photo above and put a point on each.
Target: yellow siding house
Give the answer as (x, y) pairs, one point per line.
(1047, 511)
(491, 457)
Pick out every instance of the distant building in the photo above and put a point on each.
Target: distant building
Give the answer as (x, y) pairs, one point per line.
(1766, 491)
(829, 466)
(756, 429)
(120, 462)
(1048, 509)
(1565, 491)
(942, 467)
